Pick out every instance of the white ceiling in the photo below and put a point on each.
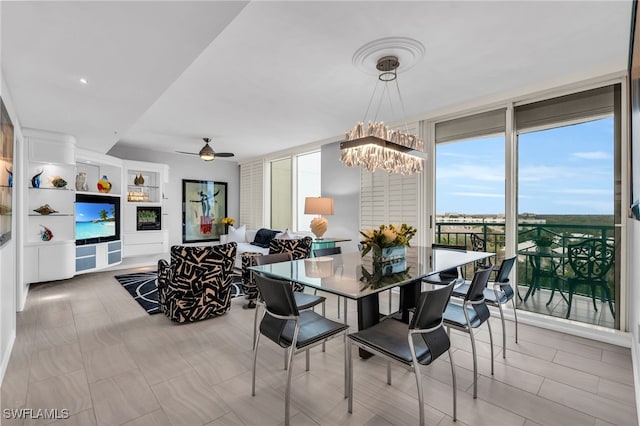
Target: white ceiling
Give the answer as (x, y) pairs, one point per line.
(266, 76)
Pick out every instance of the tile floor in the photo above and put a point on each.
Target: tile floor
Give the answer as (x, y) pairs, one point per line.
(86, 346)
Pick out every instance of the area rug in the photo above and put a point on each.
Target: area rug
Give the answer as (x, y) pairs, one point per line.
(143, 287)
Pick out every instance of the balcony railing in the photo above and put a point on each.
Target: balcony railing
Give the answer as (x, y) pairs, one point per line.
(493, 234)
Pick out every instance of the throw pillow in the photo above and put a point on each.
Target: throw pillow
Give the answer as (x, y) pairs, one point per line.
(237, 235)
(264, 237)
(286, 235)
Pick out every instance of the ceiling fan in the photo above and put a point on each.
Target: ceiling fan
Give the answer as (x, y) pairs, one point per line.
(207, 153)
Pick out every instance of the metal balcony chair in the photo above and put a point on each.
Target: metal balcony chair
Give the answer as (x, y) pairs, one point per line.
(284, 324)
(479, 244)
(419, 343)
(500, 293)
(328, 251)
(470, 314)
(590, 260)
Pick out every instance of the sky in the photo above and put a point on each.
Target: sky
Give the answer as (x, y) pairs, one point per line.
(565, 170)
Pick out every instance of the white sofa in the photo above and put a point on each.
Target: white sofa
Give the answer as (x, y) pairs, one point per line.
(244, 245)
(244, 238)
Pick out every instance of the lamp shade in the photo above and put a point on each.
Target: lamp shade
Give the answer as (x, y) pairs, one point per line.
(318, 205)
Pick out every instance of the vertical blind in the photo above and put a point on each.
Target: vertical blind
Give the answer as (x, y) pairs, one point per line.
(251, 194)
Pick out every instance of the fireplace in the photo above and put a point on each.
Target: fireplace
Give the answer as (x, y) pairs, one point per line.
(149, 219)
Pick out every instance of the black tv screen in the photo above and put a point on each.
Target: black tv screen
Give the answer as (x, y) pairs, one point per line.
(97, 219)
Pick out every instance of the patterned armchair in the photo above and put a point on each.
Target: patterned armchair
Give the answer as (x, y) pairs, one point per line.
(197, 283)
(299, 249)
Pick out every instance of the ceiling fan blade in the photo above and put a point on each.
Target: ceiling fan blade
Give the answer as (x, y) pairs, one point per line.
(189, 153)
(224, 154)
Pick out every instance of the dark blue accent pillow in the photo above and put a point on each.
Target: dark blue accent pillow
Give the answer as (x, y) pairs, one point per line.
(264, 237)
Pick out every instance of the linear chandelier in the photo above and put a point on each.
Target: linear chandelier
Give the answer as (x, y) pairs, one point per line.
(377, 146)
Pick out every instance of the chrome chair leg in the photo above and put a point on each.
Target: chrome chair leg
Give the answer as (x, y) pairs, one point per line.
(455, 390)
(515, 316)
(475, 364)
(253, 372)
(491, 342)
(504, 332)
(389, 373)
(287, 402)
(338, 307)
(323, 343)
(349, 378)
(416, 370)
(306, 357)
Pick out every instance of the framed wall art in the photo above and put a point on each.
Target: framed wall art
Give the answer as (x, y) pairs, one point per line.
(204, 204)
(6, 173)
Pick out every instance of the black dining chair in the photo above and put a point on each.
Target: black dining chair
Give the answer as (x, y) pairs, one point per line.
(303, 301)
(500, 293)
(328, 251)
(419, 343)
(446, 276)
(284, 324)
(470, 314)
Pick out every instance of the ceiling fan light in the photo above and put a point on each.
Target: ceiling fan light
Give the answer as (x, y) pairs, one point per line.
(206, 153)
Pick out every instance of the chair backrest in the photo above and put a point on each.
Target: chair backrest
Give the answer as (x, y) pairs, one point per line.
(327, 251)
(477, 286)
(448, 246)
(591, 259)
(268, 259)
(431, 306)
(453, 272)
(505, 269)
(189, 261)
(277, 296)
(299, 248)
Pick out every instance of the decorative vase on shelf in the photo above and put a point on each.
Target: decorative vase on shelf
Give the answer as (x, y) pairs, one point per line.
(35, 180)
(81, 182)
(104, 185)
(46, 234)
(9, 178)
(138, 180)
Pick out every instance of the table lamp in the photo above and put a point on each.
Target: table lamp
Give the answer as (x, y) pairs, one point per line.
(319, 206)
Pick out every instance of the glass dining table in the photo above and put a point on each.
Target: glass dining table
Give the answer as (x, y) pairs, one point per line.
(357, 278)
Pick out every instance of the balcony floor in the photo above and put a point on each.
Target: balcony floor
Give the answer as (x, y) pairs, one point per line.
(582, 309)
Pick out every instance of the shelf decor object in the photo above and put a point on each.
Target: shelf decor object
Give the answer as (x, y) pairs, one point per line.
(81, 182)
(204, 203)
(45, 209)
(377, 146)
(46, 234)
(104, 185)
(138, 180)
(9, 177)
(35, 180)
(58, 182)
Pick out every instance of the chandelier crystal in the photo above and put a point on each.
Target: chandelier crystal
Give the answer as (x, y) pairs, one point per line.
(377, 146)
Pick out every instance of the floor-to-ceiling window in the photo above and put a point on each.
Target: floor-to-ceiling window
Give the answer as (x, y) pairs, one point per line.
(292, 180)
(568, 249)
(470, 182)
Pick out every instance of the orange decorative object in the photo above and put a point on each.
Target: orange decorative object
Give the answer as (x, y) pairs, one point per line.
(104, 185)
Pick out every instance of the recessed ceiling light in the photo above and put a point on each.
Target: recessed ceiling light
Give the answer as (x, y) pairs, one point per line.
(84, 81)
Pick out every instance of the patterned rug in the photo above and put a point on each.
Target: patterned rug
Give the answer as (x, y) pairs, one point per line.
(144, 289)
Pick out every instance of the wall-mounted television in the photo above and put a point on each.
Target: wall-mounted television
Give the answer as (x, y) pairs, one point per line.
(97, 219)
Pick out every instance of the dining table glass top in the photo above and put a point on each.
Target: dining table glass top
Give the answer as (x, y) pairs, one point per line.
(354, 277)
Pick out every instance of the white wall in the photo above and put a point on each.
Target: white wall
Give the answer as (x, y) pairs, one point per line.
(8, 256)
(634, 301)
(187, 167)
(341, 183)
